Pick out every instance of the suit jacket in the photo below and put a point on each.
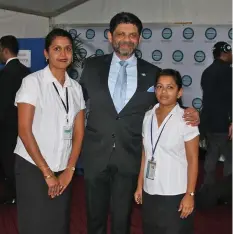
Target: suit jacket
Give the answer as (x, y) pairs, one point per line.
(216, 83)
(11, 78)
(105, 127)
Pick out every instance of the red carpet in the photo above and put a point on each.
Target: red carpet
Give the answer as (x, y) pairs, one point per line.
(214, 221)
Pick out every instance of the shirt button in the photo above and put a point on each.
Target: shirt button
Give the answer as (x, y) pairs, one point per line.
(117, 118)
(113, 135)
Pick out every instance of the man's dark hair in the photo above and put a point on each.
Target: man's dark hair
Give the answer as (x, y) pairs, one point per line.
(219, 48)
(125, 18)
(10, 42)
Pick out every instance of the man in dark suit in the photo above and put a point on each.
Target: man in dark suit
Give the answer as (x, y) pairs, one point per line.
(11, 78)
(118, 88)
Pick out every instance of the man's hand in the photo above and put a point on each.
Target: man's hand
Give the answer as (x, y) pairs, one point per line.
(191, 116)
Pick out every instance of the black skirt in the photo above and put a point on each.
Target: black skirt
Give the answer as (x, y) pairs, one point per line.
(37, 212)
(160, 215)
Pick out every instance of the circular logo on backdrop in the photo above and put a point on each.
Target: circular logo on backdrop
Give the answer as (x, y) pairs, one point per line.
(230, 34)
(157, 55)
(167, 33)
(188, 33)
(138, 53)
(210, 33)
(186, 80)
(146, 33)
(73, 74)
(199, 56)
(90, 34)
(178, 56)
(106, 33)
(99, 52)
(83, 53)
(197, 103)
(73, 33)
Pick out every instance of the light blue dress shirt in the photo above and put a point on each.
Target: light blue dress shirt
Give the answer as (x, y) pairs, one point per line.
(132, 74)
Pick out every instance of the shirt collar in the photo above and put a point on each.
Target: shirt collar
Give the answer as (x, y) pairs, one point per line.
(173, 111)
(132, 61)
(10, 59)
(49, 77)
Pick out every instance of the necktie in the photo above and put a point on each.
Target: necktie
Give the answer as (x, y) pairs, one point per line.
(119, 93)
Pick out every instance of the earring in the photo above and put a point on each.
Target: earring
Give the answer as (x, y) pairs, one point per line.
(46, 59)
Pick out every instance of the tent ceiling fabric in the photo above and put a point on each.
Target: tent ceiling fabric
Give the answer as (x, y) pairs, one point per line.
(46, 8)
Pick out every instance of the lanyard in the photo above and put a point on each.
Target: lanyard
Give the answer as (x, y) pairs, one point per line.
(67, 100)
(151, 130)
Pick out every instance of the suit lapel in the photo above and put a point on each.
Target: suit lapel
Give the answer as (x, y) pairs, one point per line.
(104, 74)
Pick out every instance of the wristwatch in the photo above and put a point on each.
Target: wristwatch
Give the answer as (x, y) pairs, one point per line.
(191, 194)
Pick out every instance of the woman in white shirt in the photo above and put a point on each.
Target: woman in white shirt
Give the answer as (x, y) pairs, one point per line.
(51, 128)
(169, 166)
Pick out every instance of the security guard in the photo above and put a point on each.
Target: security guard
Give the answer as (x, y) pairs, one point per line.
(216, 115)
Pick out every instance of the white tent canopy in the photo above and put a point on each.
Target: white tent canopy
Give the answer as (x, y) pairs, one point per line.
(151, 11)
(47, 8)
(32, 18)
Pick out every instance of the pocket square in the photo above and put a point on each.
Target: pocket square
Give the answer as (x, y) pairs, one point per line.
(151, 89)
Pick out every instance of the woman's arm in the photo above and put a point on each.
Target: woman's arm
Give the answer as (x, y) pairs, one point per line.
(78, 133)
(192, 151)
(25, 119)
(77, 139)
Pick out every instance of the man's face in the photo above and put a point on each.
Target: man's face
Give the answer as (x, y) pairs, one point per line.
(124, 39)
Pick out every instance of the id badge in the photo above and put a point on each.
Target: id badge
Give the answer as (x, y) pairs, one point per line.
(67, 132)
(151, 168)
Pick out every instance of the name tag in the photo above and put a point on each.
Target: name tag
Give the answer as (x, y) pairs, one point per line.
(151, 168)
(67, 132)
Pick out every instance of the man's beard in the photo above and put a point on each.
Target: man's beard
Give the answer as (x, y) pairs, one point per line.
(124, 52)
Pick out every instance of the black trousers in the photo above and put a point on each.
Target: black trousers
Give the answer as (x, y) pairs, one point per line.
(160, 215)
(37, 213)
(217, 144)
(8, 138)
(109, 188)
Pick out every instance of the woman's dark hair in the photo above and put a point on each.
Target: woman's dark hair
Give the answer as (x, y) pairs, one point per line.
(176, 77)
(57, 32)
(125, 18)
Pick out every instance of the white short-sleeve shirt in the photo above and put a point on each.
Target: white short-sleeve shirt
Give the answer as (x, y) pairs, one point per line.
(50, 116)
(170, 155)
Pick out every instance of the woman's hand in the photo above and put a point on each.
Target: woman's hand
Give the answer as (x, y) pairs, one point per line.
(53, 185)
(64, 179)
(186, 206)
(138, 195)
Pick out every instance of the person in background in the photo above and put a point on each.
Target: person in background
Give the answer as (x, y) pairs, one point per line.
(51, 128)
(11, 76)
(169, 165)
(118, 87)
(216, 126)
